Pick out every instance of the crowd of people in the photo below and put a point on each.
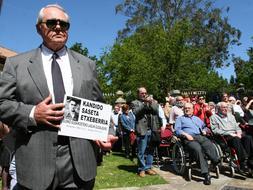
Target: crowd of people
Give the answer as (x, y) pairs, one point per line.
(193, 120)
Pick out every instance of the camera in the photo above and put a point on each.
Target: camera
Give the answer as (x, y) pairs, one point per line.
(149, 98)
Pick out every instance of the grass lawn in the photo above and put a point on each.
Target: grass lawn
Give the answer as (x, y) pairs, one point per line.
(117, 171)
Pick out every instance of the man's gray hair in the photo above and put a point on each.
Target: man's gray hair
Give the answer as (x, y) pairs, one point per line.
(179, 97)
(138, 89)
(220, 104)
(41, 12)
(189, 103)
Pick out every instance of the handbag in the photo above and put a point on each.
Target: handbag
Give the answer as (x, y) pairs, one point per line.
(167, 133)
(155, 137)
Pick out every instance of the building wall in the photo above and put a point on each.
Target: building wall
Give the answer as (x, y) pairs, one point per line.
(4, 53)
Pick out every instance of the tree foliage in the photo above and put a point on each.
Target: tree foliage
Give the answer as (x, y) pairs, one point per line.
(170, 44)
(1, 4)
(244, 70)
(209, 29)
(78, 47)
(160, 61)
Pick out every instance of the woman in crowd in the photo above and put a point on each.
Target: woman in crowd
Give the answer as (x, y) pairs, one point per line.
(127, 119)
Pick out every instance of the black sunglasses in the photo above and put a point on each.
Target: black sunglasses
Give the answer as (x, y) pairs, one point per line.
(52, 23)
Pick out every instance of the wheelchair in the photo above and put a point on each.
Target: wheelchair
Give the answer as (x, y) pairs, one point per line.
(228, 155)
(183, 163)
(163, 150)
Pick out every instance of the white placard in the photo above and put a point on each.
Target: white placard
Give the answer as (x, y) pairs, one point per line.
(85, 119)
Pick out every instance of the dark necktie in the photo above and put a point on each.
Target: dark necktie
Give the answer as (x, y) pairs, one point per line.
(58, 85)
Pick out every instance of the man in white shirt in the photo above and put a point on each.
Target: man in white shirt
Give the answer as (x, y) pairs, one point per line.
(176, 111)
(33, 85)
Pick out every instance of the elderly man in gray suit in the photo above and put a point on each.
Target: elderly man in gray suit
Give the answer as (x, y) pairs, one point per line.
(31, 96)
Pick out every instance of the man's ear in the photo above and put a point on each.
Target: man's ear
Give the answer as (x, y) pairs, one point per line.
(38, 28)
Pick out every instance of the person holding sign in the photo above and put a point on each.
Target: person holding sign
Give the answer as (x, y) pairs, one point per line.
(32, 90)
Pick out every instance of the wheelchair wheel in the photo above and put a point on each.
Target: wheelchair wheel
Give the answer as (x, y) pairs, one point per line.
(167, 155)
(219, 153)
(156, 158)
(250, 173)
(234, 161)
(217, 172)
(189, 174)
(178, 158)
(232, 171)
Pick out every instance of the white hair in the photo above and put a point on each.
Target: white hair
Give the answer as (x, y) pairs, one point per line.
(41, 12)
(220, 104)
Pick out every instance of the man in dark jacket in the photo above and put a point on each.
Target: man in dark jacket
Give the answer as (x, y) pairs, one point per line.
(146, 112)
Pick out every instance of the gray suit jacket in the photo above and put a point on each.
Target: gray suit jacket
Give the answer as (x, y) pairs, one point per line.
(146, 117)
(23, 85)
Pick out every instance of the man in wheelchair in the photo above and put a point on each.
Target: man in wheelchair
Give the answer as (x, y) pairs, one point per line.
(224, 123)
(192, 130)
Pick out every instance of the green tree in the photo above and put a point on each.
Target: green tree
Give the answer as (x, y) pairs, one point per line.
(232, 80)
(244, 70)
(169, 44)
(209, 29)
(78, 47)
(160, 61)
(1, 4)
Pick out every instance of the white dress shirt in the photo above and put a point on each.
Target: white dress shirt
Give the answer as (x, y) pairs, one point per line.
(64, 64)
(162, 116)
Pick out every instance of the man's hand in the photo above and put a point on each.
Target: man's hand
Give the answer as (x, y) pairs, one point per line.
(163, 128)
(233, 134)
(239, 135)
(149, 100)
(49, 114)
(107, 145)
(189, 137)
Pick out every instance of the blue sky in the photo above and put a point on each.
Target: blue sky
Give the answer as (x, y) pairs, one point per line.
(95, 24)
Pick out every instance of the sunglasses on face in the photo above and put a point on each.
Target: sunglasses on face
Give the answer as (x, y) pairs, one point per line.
(52, 23)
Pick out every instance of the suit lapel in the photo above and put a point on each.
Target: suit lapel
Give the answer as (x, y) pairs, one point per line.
(37, 73)
(76, 72)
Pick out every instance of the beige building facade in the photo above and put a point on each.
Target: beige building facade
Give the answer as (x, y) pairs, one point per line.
(4, 53)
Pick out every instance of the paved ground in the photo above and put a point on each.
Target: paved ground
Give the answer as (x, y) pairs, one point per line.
(179, 183)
